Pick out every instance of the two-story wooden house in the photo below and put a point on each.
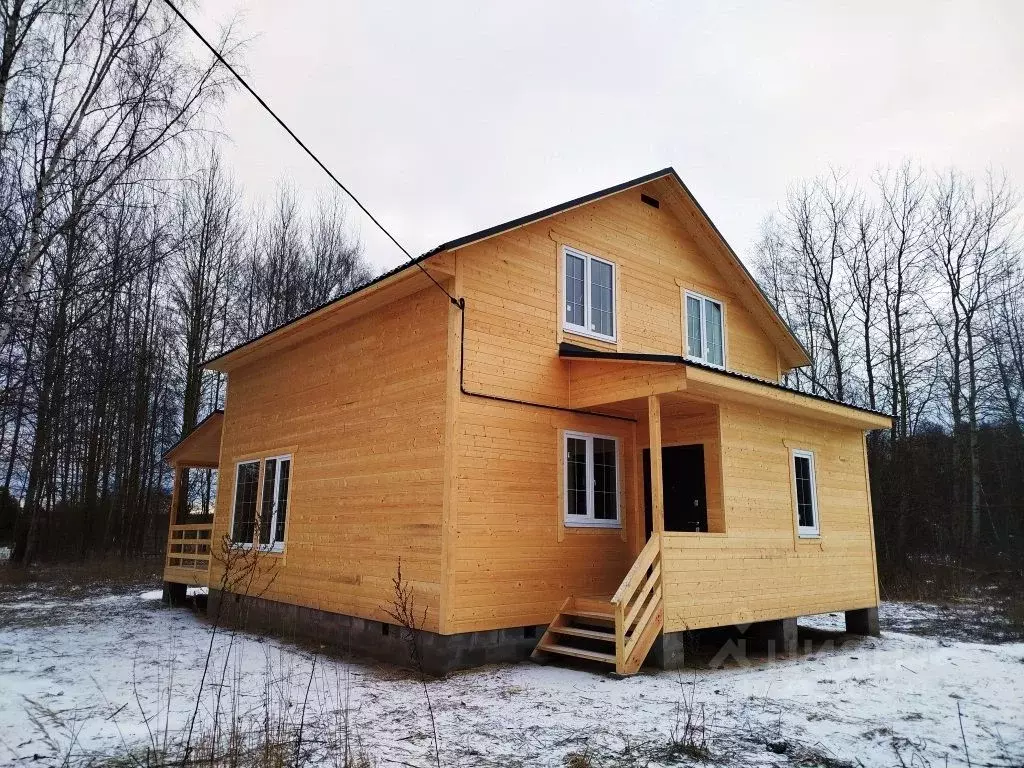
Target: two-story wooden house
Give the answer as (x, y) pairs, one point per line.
(586, 453)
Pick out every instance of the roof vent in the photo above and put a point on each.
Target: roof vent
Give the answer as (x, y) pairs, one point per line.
(649, 200)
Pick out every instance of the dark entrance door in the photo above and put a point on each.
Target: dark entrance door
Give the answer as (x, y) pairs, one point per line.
(686, 502)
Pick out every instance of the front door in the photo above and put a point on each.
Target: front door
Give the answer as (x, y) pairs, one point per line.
(686, 503)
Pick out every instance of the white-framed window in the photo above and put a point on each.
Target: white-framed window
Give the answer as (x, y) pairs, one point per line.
(591, 480)
(805, 493)
(243, 511)
(705, 329)
(589, 295)
(269, 524)
(277, 472)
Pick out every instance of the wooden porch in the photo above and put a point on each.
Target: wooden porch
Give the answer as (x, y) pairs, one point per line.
(189, 535)
(617, 630)
(620, 630)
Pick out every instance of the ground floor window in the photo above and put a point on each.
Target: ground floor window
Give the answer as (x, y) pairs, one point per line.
(591, 480)
(270, 498)
(805, 493)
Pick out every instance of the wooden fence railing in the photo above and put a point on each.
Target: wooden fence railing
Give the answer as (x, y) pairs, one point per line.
(639, 609)
(188, 552)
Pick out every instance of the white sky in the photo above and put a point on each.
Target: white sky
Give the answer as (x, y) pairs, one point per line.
(449, 117)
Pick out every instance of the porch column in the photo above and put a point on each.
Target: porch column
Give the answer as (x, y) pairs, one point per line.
(175, 493)
(657, 491)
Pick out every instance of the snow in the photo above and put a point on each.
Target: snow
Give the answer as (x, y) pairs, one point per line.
(83, 673)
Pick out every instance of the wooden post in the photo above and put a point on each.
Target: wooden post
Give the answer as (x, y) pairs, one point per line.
(172, 517)
(657, 491)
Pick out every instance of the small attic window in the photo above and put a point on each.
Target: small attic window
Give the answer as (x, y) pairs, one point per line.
(651, 201)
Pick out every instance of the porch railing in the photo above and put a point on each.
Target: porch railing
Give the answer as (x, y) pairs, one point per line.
(189, 551)
(639, 609)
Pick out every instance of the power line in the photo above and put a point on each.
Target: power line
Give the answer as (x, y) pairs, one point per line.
(306, 149)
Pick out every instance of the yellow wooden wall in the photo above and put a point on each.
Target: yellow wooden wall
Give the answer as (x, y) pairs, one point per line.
(513, 291)
(511, 561)
(760, 569)
(362, 410)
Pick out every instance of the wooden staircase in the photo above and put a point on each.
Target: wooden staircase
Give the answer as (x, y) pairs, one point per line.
(619, 630)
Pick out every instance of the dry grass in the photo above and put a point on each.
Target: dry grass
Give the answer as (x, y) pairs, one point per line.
(106, 573)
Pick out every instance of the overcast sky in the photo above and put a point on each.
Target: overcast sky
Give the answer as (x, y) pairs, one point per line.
(449, 117)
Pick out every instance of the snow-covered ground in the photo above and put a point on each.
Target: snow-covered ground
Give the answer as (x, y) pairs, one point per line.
(99, 672)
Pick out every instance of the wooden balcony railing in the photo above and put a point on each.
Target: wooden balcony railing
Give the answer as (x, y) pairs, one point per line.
(188, 554)
(639, 609)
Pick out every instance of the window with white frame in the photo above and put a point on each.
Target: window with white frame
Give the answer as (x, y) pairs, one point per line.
(276, 471)
(805, 493)
(591, 480)
(269, 525)
(589, 295)
(705, 329)
(243, 517)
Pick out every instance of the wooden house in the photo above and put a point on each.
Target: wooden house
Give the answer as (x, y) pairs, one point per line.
(585, 450)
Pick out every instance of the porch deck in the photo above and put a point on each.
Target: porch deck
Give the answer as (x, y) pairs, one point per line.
(188, 554)
(190, 540)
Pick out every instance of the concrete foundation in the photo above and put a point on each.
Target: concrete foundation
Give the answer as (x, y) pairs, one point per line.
(863, 621)
(781, 635)
(668, 651)
(174, 594)
(374, 639)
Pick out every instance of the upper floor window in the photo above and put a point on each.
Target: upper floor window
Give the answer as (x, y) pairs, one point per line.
(705, 329)
(273, 502)
(589, 295)
(806, 493)
(591, 480)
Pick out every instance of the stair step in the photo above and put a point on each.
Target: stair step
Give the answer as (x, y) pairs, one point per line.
(593, 615)
(591, 634)
(595, 604)
(565, 650)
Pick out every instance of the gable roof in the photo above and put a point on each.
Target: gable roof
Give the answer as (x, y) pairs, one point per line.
(201, 446)
(793, 353)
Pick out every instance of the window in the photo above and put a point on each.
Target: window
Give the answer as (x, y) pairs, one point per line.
(591, 480)
(589, 295)
(273, 502)
(243, 521)
(705, 329)
(806, 493)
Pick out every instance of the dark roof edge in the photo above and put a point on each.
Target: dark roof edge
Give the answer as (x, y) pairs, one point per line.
(381, 277)
(458, 243)
(530, 218)
(192, 431)
(523, 221)
(565, 349)
(743, 266)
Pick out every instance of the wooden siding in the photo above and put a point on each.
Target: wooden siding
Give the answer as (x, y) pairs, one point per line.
(761, 569)
(361, 409)
(513, 561)
(513, 289)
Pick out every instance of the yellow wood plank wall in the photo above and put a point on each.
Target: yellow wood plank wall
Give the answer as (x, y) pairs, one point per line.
(512, 285)
(512, 561)
(760, 569)
(361, 409)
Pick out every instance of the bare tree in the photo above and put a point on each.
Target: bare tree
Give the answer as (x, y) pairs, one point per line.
(968, 249)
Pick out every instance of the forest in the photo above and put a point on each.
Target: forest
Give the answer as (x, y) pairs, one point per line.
(129, 255)
(907, 291)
